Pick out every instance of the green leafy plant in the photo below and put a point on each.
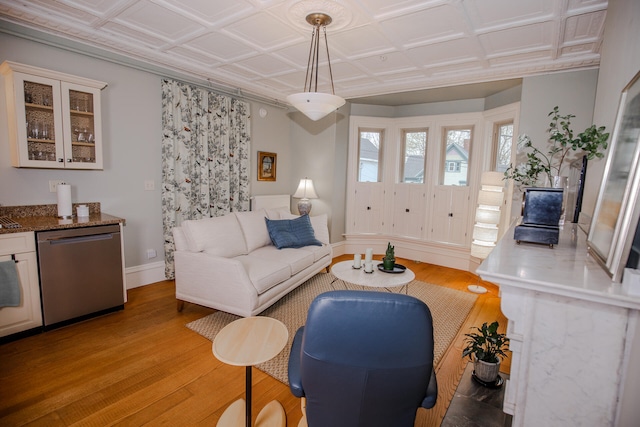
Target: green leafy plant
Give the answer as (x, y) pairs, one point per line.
(486, 344)
(564, 144)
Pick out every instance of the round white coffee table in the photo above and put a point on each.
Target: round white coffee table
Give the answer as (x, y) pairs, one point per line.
(377, 279)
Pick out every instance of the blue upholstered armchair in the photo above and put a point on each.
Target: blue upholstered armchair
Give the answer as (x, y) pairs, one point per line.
(364, 359)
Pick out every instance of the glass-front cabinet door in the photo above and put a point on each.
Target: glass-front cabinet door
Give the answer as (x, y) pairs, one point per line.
(38, 107)
(54, 118)
(83, 136)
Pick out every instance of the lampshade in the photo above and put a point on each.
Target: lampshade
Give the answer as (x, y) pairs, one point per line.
(305, 190)
(481, 250)
(315, 105)
(310, 102)
(490, 198)
(488, 215)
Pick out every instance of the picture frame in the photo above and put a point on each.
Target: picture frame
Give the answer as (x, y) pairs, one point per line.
(616, 214)
(267, 163)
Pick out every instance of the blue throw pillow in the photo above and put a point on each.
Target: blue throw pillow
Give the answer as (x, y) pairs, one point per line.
(292, 233)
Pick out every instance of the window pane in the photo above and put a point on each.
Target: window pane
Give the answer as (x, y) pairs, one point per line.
(415, 148)
(456, 158)
(504, 137)
(369, 155)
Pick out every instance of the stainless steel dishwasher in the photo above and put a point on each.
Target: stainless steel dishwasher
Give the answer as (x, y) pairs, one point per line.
(80, 273)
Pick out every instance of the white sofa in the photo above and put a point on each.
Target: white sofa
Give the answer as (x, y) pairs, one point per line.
(229, 263)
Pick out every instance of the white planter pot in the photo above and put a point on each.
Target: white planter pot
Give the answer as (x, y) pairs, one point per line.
(486, 372)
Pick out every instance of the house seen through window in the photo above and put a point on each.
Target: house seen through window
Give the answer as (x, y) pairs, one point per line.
(370, 155)
(414, 147)
(457, 149)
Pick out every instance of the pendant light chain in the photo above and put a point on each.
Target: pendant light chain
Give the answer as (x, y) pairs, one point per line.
(326, 43)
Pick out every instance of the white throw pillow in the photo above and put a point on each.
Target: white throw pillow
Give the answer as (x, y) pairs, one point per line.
(254, 229)
(288, 215)
(278, 213)
(320, 228)
(220, 236)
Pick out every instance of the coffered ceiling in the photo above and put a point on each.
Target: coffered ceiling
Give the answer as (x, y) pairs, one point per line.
(376, 46)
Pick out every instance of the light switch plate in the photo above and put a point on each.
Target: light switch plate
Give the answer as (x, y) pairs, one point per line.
(149, 185)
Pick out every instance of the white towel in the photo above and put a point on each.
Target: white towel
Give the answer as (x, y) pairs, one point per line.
(9, 285)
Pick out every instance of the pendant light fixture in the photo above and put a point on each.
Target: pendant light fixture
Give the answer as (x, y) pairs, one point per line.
(310, 102)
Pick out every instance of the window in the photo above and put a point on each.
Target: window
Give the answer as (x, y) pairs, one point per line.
(414, 147)
(457, 152)
(502, 142)
(370, 155)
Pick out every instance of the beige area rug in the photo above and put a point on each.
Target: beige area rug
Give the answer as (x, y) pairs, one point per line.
(449, 309)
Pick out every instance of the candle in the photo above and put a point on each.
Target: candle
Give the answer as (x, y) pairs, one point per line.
(368, 255)
(368, 266)
(357, 258)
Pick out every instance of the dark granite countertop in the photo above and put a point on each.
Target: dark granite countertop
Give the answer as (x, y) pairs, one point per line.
(44, 217)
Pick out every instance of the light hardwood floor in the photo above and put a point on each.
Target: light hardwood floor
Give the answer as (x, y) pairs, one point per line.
(142, 366)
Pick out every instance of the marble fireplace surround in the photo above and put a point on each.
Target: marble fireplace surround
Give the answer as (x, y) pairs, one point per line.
(574, 334)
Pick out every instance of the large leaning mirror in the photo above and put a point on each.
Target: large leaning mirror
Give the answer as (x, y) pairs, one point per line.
(616, 214)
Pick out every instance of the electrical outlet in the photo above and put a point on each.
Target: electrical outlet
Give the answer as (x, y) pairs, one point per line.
(151, 253)
(149, 185)
(53, 185)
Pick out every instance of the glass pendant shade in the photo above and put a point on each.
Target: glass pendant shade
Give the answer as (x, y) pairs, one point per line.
(315, 105)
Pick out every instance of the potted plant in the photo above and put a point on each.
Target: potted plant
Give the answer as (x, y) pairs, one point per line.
(564, 146)
(486, 348)
(389, 260)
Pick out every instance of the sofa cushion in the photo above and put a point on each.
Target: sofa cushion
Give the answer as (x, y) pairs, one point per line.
(320, 228)
(220, 236)
(292, 233)
(264, 274)
(318, 251)
(278, 213)
(254, 229)
(297, 259)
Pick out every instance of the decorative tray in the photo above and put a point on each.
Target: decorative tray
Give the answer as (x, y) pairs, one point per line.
(397, 268)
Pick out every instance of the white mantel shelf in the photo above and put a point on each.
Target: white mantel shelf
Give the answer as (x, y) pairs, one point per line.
(566, 269)
(574, 334)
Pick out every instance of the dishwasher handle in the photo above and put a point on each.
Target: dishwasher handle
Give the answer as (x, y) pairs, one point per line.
(78, 239)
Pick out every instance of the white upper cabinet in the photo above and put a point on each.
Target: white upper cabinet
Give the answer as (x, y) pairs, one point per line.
(54, 119)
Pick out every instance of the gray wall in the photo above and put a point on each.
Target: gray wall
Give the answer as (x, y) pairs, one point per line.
(131, 106)
(574, 92)
(319, 152)
(620, 61)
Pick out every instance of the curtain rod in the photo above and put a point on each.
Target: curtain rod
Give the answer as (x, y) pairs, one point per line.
(52, 40)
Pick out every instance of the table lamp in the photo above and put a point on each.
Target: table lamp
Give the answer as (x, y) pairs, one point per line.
(305, 192)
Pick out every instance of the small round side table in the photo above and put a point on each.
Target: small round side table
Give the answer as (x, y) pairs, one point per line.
(246, 342)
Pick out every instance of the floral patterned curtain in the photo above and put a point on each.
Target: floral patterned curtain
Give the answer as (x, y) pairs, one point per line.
(205, 157)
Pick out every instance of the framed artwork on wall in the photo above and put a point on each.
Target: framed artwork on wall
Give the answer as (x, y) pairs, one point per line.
(615, 217)
(267, 166)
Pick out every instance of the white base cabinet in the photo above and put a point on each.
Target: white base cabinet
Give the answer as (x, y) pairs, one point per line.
(21, 248)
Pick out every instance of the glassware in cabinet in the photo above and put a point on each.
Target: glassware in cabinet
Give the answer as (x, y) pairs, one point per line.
(54, 118)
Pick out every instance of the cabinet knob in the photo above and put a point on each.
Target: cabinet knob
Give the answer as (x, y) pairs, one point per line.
(69, 160)
(451, 214)
(368, 208)
(60, 160)
(406, 210)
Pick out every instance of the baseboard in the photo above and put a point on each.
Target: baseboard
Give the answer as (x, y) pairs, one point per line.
(145, 274)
